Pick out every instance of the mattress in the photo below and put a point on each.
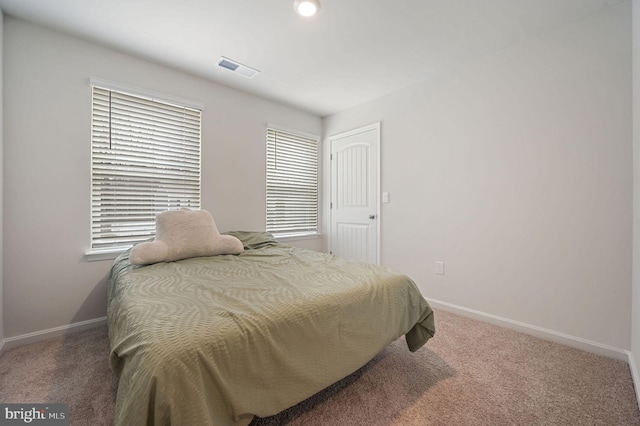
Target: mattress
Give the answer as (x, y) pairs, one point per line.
(218, 340)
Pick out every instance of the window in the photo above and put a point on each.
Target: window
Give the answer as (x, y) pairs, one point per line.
(145, 158)
(292, 184)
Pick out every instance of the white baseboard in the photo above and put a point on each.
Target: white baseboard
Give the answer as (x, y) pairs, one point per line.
(634, 376)
(13, 342)
(543, 333)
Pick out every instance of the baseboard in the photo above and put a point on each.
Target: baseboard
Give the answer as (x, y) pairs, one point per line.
(634, 376)
(13, 342)
(543, 333)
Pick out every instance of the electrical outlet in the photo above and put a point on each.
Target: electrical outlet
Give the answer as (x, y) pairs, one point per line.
(440, 268)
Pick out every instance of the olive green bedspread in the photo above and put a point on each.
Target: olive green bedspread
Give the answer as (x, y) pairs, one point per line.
(217, 340)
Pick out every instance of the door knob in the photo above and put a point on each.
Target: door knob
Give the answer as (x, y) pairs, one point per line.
(372, 216)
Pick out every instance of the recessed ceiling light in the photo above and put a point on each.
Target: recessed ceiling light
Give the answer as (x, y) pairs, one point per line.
(306, 7)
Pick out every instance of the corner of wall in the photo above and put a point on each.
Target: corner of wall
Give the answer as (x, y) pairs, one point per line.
(634, 356)
(2, 341)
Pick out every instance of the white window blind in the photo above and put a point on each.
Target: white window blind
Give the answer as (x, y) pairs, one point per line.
(145, 159)
(292, 184)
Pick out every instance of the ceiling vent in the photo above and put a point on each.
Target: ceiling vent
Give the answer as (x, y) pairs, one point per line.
(237, 67)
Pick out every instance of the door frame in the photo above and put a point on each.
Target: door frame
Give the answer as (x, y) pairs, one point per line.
(376, 161)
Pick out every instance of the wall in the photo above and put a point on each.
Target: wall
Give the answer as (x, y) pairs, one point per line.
(48, 282)
(635, 323)
(1, 180)
(516, 172)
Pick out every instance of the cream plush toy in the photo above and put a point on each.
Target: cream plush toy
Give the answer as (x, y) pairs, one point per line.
(184, 233)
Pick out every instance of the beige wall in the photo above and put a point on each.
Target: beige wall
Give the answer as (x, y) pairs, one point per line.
(517, 173)
(635, 323)
(47, 280)
(1, 178)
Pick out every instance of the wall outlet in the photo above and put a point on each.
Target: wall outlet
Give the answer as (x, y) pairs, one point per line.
(440, 268)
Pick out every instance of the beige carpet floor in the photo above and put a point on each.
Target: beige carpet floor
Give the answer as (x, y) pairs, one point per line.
(471, 373)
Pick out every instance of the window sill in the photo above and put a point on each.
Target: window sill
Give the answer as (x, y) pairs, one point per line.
(293, 237)
(106, 254)
(110, 254)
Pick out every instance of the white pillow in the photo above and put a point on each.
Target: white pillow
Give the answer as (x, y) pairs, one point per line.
(181, 234)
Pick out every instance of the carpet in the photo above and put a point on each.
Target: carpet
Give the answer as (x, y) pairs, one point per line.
(470, 373)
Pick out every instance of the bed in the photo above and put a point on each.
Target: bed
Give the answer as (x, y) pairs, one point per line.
(218, 340)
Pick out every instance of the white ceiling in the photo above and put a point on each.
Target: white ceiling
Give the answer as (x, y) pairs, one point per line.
(351, 52)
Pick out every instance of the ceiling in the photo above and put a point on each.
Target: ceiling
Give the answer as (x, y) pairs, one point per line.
(351, 52)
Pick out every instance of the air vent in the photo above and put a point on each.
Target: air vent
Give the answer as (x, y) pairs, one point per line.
(237, 67)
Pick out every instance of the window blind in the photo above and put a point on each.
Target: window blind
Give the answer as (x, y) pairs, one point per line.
(145, 159)
(292, 184)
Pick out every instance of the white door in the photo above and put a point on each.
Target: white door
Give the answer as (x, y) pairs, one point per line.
(354, 194)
